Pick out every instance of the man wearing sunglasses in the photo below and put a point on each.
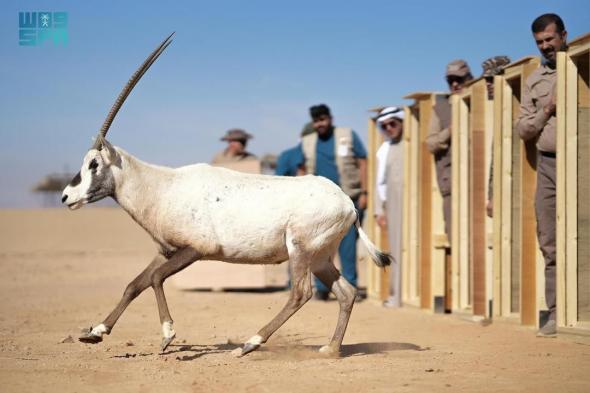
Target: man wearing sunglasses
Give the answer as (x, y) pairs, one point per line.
(537, 122)
(389, 195)
(439, 137)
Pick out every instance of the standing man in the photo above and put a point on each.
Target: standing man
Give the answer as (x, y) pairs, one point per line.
(537, 122)
(389, 201)
(338, 154)
(492, 67)
(439, 138)
(235, 151)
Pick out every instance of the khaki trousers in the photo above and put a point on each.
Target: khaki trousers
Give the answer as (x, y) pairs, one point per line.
(545, 209)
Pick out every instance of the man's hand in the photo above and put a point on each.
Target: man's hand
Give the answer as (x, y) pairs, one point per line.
(549, 109)
(381, 221)
(362, 201)
(490, 208)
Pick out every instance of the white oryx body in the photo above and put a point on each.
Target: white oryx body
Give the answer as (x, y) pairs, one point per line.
(202, 212)
(223, 214)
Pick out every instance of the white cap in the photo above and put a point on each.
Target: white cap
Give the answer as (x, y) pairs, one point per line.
(389, 113)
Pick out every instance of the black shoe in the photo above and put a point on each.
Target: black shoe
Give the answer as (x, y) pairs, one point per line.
(321, 295)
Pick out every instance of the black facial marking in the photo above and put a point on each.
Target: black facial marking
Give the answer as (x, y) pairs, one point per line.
(76, 180)
(93, 165)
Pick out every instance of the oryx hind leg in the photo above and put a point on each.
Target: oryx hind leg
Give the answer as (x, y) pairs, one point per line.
(300, 293)
(135, 287)
(345, 294)
(177, 262)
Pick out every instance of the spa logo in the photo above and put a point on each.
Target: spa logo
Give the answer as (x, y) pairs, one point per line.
(36, 28)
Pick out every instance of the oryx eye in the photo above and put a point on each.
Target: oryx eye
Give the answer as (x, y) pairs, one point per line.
(93, 164)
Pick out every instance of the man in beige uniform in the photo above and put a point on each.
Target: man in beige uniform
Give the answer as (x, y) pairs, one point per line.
(439, 138)
(236, 148)
(537, 122)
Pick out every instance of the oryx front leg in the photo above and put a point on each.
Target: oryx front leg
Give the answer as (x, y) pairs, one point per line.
(345, 293)
(135, 287)
(300, 294)
(180, 260)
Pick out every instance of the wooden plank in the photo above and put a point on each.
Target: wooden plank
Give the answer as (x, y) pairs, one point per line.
(498, 193)
(463, 244)
(426, 177)
(529, 303)
(507, 208)
(411, 238)
(579, 45)
(477, 188)
(578, 242)
(489, 222)
(448, 278)
(406, 210)
(560, 207)
(456, 201)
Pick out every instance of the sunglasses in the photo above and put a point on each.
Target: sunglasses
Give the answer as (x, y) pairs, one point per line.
(452, 79)
(392, 124)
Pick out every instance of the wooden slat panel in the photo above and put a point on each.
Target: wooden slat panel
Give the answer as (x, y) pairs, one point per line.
(583, 181)
(426, 176)
(529, 250)
(461, 246)
(561, 224)
(478, 196)
(516, 242)
(507, 211)
(498, 185)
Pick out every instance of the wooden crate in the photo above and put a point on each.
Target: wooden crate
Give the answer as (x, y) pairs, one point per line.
(573, 184)
(221, 275)
(472, 126)
(425, 245)
(518, 263)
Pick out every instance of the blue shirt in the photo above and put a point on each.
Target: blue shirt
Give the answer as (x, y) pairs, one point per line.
(325, 164)
(289, 161)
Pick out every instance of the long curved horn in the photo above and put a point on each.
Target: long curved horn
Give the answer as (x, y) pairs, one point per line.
(127, 89)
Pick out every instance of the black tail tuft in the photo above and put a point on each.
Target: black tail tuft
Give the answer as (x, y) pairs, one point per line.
(383, 259)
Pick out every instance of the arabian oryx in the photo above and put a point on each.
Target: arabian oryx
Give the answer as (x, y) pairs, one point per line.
(203, 212)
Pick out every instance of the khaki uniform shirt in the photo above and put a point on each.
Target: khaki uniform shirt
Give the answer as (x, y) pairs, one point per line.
(532, 121)
(439, 144)
(224, 157)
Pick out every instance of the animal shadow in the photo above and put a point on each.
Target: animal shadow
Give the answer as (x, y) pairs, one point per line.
(188, 352)
(377, 348)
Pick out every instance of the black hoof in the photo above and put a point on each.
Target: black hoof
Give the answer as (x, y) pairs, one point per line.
(249, 348)
(89, 338)
(166, 341)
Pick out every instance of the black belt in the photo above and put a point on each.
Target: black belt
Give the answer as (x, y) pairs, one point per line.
(547, 154)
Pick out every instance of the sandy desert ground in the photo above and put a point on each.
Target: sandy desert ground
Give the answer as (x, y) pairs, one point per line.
(61, 271)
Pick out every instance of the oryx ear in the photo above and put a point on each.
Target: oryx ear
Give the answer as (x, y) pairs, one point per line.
(109, 153)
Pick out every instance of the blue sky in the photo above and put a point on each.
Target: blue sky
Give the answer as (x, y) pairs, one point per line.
(257, 65)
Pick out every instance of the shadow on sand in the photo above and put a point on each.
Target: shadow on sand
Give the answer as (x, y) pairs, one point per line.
(187, 352)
